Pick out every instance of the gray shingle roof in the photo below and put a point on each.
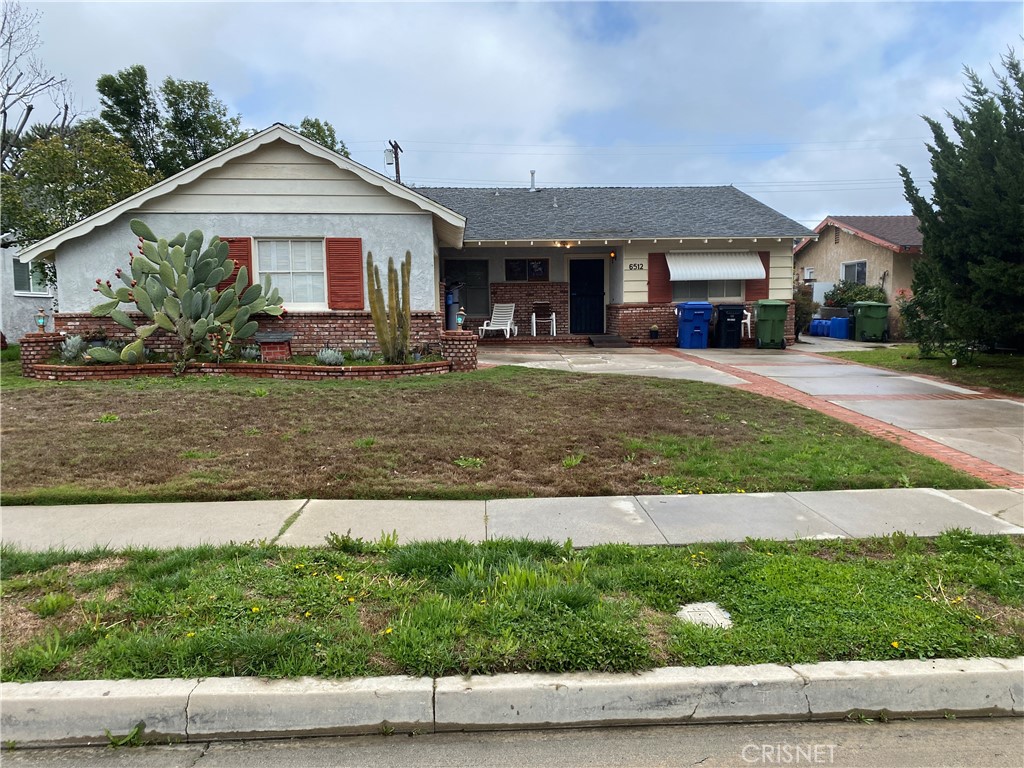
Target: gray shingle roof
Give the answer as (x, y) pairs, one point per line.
(898, 230)
(612, 212)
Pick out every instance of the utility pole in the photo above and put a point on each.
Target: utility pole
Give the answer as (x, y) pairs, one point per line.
(398, 167)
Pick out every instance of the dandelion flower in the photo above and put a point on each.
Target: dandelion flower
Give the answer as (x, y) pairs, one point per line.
(308, 614)
(255, 609)
(190, 634)
(388, 631)
(351, 599)
(895, 644)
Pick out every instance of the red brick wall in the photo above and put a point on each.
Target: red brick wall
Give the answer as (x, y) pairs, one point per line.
(311, 330)
(633, 323)
(253, 370)
(459, 348)
(523, 295)
(37, 348)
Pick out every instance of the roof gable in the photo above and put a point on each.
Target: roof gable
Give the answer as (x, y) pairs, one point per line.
(450, 225)
(901, 234)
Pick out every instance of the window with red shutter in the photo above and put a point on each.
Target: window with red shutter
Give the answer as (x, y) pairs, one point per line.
(659, 288)
(239, 251)
(345, 273)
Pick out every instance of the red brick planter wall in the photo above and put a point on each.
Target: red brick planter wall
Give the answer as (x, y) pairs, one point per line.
(311, 331)
(253, 370)
(37, 348)
(459, 348)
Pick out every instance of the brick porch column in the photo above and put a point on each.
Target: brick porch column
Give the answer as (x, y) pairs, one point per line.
(459, 348)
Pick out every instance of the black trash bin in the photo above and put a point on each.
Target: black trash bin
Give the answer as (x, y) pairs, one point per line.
(728, 325)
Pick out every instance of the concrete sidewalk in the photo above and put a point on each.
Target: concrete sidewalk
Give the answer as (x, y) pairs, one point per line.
(586, 521)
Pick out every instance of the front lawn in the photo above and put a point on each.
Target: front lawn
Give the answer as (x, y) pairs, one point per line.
(503, 432)
(358, 609)
(1003, 372)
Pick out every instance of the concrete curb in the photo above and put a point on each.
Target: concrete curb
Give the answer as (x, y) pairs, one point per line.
(86, 712)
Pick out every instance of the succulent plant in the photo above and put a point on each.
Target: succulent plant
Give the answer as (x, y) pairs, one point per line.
(362, 354)
(71, 348)
(328, 356)
(174, 284)
(250, 352)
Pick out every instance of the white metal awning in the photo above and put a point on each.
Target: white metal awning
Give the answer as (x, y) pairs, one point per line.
(715, 265)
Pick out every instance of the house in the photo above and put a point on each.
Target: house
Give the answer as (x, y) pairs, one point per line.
(870, 250)
(608, 260)
(25, 292)
(615, 260)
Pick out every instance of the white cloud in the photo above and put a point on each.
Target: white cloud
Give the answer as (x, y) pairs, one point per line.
(639, 93)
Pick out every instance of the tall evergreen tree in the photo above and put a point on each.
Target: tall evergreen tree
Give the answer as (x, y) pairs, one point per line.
(971, 281)
(197, 124)
(129, 108)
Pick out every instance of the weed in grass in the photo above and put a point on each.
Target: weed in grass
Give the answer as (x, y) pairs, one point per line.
(252, 431)
(194, 453)
(573, 460)
(259, 392)
(629, 458)
(51, 604)
(364, 442)
(468, 462)
(108, 418)
(132, 739)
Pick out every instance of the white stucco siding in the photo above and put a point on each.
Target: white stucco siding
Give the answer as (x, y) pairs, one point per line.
(279, 177)
(99, 253)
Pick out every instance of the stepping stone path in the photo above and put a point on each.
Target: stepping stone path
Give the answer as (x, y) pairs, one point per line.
(708, 614)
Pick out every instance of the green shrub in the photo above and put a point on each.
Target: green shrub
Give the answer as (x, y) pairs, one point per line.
(71, 348)
(845, 292)
(328, 356)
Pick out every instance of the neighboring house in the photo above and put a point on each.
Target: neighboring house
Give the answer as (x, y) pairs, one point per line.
(608, 260)
(870, 250)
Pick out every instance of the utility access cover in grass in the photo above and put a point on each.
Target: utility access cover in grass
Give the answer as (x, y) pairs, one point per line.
(707, 614)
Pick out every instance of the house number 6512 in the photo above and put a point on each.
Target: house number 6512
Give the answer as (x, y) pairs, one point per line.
(635, 266)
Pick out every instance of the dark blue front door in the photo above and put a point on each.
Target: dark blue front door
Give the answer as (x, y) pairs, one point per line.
(586, 296)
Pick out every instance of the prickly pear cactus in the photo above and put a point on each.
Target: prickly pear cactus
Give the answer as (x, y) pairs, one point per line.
(391, 320)
(174, 284)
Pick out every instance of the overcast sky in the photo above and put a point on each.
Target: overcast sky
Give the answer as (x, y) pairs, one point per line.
(806, 106)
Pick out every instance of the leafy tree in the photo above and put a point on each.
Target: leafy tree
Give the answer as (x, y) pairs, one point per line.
(322, 132)
(971, 281)
(63, 179)
(196, 126)
(129, 108)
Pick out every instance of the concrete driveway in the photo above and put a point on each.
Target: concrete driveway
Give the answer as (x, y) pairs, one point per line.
(983, 426)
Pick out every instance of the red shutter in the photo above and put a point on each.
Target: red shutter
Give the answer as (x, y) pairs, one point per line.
(345, 273)
(659, 287)
(240, 251)
(758, 289)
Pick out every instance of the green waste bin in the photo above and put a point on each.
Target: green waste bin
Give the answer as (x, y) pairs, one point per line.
(771, 323)
(871, 320)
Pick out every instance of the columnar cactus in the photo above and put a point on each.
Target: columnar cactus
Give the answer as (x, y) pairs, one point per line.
(174, 284)
(392, 321)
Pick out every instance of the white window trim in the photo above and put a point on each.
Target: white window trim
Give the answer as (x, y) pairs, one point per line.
(47, 293)
(844, 264)
(257, 277)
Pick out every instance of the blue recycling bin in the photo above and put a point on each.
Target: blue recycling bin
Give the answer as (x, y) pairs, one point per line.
(839, 328)
(694, 320)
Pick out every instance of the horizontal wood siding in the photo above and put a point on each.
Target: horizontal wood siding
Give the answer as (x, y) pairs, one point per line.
(279, 178)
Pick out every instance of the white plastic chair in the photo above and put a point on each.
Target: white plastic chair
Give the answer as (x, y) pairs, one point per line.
(745, 325)
(501, 320)
(542, 313)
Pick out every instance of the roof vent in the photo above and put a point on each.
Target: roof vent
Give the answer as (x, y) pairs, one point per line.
(533, 181)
